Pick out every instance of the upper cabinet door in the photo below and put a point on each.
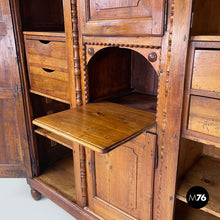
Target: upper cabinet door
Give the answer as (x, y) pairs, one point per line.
(122, 17)
(14, 158)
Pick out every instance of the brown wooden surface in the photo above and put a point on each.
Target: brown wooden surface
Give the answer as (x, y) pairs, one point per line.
(138, 101)
(171, 87)
(54, 137)
(204, 115)
(206, 17)
(50, 82)
(204, 173)
(99, 126)
(13, 134)
(121, 17)
(120, 183)
(49, 54)
(184, 212)
(206, 75)
(190, 151)
(201, 46)
(43, 16)
(206, 38)
(60, 176)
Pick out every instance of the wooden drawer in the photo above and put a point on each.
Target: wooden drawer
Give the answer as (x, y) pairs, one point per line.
(206, 70)
(50, 82)
(204, 115)
(46, 53)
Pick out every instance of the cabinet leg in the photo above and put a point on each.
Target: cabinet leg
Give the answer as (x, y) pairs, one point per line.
(35, 194)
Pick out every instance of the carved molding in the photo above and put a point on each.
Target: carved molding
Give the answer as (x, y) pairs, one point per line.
(82, 160)
(129, 46)
(123, 45)
(77, 70)
(164, 97)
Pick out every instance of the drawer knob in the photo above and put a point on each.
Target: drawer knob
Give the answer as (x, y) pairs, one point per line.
(44, 41)
(48, 70)
(152, 57)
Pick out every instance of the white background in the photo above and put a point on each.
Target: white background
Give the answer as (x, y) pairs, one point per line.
(16, 203)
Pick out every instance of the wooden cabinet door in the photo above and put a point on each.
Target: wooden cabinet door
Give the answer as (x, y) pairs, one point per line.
(120, 183)
(12, 122)
(122, 17)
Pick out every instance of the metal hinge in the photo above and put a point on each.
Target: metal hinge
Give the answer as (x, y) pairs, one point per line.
(156, 155)
(165, 15)
(192, 20)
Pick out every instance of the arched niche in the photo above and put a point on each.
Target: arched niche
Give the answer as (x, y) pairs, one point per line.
(123, 76)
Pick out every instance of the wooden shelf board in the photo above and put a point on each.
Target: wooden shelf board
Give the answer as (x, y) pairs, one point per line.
(54, 137)
(60, 177)
(200, 137)
(49, 96)
(99, 126)
(204, 173)
(138, 101)
(215, 95)
(50, 34)
(212, 38)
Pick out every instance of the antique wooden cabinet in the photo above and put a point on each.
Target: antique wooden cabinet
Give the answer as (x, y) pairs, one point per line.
(92, 99)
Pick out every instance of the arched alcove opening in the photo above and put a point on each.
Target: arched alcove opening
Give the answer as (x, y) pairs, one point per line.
(123, 76)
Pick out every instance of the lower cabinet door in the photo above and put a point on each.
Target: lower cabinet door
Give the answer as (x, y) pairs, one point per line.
(120, 183)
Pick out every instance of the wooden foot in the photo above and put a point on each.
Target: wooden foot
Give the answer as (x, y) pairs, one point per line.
(35, 194)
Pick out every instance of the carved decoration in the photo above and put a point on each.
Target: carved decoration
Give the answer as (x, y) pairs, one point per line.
(165, 101)
(129, 46)
(76, 53)
(82, 160)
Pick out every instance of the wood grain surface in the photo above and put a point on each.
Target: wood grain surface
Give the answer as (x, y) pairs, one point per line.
(99, 126)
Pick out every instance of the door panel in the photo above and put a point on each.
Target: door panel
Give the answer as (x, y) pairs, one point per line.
(120, 183)
(122, 17)
(14, 160)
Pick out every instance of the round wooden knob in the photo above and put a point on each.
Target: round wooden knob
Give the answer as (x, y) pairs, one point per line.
(152, 57)
(91, 51)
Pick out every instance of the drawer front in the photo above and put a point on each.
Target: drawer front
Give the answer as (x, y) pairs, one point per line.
(47, 54)
(107, 17)
(204, 115)
(206, 70)
(120, 183)
(50, 82)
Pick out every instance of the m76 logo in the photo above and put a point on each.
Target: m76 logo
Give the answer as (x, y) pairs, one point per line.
(197, 197)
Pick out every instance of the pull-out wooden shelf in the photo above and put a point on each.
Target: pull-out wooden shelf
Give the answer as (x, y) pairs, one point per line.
(99, 126)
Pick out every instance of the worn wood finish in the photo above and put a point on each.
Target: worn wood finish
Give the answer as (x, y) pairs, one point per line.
(171, 85)
(47, 54)
(122, 17)
(189, 152)
(120, 183)
(212, 94)
(204, 115)
(137, 100)
(54, 137)
(201, 80)
(204, 173)
(184, 211)
(80, 174)
(206, 38)
(98, 124)
(60, 176)
(206, 17)
(43, 16)
(50, 82)
(14, 156)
